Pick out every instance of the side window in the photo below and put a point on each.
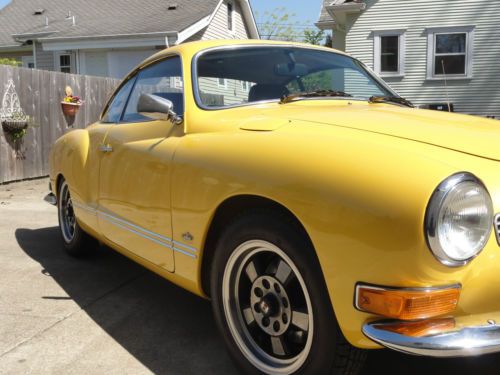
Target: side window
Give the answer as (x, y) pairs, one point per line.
(115, 109)
(163, 79)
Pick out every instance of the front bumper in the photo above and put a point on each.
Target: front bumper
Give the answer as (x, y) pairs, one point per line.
(471, 337)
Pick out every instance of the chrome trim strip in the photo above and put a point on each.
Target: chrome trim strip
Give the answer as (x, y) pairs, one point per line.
(152, 236)
(135, 226)
(185, 246)
(168, 239)
(168, 246)
(463, 342)
(84, 207)
(497, 228)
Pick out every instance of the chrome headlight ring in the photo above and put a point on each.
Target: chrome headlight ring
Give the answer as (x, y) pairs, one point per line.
(459, 219)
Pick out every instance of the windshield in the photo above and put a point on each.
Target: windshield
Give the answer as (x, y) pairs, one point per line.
(236, 76)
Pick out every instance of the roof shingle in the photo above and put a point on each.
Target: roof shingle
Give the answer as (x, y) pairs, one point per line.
(96, 18)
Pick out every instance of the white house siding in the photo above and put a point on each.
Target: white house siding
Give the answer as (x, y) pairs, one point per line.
(122, 62)
(218, 28)
(479, 95)
(94, 63)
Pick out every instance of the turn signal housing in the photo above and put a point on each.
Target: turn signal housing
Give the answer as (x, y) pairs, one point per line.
(407, 304)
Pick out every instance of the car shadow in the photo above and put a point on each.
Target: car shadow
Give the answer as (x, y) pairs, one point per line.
(164, 327)
(167, 328)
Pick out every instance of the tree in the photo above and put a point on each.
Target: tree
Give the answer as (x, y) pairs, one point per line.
(314, 37)
(9, 61)
(279, 25)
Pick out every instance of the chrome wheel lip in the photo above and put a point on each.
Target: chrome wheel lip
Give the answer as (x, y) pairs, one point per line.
(237, 326)
(67, 218)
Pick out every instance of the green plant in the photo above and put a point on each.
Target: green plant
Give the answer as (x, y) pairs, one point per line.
(9, 61)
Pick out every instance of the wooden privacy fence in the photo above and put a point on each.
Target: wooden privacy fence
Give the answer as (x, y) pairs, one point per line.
(38, 95)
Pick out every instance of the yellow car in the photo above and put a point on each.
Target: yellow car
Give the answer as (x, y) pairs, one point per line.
(319, 211)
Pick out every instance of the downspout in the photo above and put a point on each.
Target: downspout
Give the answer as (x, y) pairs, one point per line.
(34, 54)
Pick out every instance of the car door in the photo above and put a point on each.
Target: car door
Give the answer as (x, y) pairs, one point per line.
(134, 181)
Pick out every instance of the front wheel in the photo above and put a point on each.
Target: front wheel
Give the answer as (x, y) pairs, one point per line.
(271, 303)
(76, 242)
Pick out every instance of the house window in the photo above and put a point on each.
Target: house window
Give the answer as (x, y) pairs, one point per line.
(389, 53)
(450, 53)
(245, 86)
(230, 16)
(65, 63)
(221, 82)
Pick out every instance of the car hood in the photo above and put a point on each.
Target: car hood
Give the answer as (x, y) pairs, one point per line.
(468, 134)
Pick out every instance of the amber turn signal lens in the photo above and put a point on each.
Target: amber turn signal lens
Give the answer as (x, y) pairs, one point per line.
(420, 328)
(407, 304)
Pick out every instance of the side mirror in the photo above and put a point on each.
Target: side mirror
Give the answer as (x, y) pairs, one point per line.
(158, 108)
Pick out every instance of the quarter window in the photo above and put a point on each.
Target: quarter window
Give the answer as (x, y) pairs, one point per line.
(159, 79)
(115, 108)
(389, 53)
(450, 53)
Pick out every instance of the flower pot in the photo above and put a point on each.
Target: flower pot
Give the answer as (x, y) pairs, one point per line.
(70, 109)
(11, 125)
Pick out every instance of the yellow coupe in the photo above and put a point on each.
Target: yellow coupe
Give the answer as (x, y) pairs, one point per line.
(319, 211)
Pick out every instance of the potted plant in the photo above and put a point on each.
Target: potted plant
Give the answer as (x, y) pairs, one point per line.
(71, 104)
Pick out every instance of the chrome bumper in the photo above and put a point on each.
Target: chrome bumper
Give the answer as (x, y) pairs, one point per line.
(51, 199)
(461, 340)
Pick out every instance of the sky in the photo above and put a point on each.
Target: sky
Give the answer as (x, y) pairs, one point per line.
(306, 11)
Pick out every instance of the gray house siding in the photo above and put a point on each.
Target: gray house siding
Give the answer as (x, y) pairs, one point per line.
(477, 95)
(44, 59)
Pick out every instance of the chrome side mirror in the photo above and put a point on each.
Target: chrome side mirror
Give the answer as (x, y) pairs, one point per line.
(157, 108)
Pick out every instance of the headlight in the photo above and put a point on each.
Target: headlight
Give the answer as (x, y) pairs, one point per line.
(459, 219)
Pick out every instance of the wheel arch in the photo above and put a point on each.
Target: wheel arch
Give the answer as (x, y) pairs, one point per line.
(232, 208)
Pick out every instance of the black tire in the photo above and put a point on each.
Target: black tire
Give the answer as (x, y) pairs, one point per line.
(329, 351)
(76, 242)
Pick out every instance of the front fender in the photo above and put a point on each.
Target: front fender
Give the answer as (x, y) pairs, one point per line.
(360, 196)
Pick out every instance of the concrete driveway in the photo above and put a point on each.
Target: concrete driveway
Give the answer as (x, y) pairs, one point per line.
(107, 315)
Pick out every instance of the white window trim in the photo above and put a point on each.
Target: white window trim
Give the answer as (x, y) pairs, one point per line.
(469, 51)
(224, 86)
(57, 58)
(377, 50)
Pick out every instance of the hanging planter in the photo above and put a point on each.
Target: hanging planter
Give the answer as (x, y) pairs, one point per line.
(14, 120)
(14, 126)
(70, 109)
(71, 104)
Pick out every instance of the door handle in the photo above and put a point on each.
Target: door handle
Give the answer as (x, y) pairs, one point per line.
(105, 148)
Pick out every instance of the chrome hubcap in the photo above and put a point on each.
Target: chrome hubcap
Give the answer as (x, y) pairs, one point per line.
(66, 214)
(267, 307)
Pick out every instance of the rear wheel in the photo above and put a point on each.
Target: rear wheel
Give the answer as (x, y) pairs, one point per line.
(271, 303)
(76, 241)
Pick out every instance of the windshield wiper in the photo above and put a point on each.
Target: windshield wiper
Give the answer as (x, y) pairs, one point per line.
(313, 94)
(391, 99)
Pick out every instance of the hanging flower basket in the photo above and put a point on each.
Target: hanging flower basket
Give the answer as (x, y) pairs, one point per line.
(70, 109)
(14, 125)
(71, 104)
